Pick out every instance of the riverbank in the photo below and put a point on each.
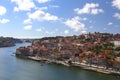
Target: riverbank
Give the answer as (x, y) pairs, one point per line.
(7, 45)
(47, 60)
(96, 68)
(76, 64)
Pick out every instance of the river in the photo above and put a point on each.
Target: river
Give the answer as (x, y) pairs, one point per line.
(12, 68)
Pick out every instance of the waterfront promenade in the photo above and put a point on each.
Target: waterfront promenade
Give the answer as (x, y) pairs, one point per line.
(47, 60)
(77, 64)
(96, 68)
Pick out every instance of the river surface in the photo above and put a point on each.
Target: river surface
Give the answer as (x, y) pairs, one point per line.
(12, 68)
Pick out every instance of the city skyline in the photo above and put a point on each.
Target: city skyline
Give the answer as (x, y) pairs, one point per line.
(46, 18)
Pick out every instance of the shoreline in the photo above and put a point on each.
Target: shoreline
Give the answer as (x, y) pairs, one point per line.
(48, 60)
(80, 65)
(97, 69)
(7, 46)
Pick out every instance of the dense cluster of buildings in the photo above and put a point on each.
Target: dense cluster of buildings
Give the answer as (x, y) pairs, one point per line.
(101, 49)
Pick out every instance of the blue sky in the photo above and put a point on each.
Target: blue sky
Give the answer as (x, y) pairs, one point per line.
(45, 18)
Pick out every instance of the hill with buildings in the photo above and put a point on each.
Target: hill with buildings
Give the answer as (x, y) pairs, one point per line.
(99, 49)
(8, 41)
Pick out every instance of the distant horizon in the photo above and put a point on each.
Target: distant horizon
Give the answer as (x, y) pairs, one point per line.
(47, 18)
(53, 36)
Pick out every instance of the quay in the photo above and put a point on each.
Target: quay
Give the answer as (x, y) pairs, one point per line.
(48, 60)
(81, 65)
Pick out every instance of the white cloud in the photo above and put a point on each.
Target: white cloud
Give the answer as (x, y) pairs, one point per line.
(27, 21)
(54, 6)
(89, 8)
(75, 24)
(116, 3)
(28, 37)
(84, 19)
(116, 15)
(28, 27)
(84, 31)
(96, 11)
(110, 23)
(50, 32)
(43, 1)
(2, 10)
(39, 30)
(4, 21)
(66, 31)
(41, 15)
(43, 8)
(23, 5)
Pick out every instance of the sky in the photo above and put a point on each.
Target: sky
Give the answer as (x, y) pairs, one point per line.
(46, 18)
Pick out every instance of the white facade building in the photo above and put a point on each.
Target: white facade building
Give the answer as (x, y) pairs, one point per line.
(116, 43)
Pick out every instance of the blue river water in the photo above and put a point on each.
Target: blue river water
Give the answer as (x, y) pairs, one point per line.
(12, 68)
